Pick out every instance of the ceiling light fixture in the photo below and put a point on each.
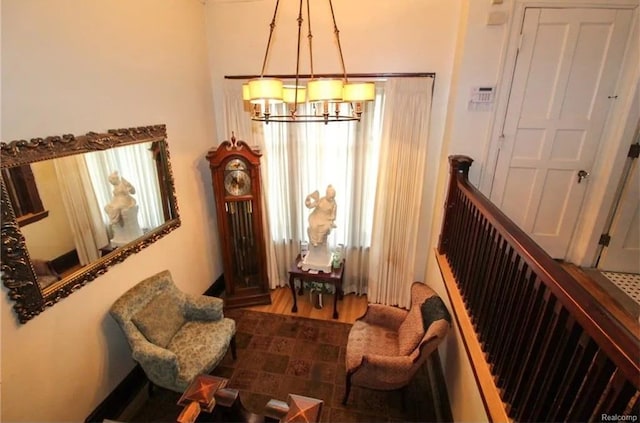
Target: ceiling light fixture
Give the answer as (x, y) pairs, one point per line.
(331, 100)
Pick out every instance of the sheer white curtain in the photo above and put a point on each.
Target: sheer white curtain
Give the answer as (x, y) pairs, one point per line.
(135, 163)
(399, 192)
(301, 158)
(379, 201)
(81, 206)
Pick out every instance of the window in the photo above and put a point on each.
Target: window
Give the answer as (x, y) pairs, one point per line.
(302, 158)
(23, 194)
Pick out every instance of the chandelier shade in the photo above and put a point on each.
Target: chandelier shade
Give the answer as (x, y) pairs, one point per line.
(294, 94)
(325, 90)
(359, 91)
(246, 95)
(265, 90)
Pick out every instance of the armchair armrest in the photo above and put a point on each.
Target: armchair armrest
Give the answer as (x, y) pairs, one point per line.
(386, 316)
(202, 307)
(160, 365)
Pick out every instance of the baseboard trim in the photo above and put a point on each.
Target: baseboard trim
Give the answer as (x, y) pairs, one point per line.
(118, 400)
(217, 288)
(439, 388)
(66, 261)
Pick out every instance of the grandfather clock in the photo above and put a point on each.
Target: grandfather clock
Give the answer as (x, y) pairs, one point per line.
(235, 170)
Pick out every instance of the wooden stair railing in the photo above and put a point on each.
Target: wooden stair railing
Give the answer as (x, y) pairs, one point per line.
(552, 352)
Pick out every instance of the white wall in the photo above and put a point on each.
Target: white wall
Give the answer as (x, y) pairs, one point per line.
(400, 36)
(50, 237)
(73, 66)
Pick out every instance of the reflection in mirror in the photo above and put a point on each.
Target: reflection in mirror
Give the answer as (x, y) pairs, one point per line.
(93, 206)
(105, 196)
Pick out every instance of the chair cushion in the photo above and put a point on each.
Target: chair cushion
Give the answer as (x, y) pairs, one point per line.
(365, 339)
(200, 345)
(41, 267)
(160, 319)
(433, 309)
(410, 332)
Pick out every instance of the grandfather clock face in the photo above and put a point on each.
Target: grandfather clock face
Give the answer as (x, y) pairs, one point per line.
(237, 180)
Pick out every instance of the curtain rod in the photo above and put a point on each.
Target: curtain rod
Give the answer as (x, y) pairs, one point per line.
(339, 75)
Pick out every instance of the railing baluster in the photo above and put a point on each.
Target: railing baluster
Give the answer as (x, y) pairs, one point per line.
(515, 354)
(616, 398)
(488, 304)
(593, 385)
(554, 354)
(568, 389)
(481, 268)
(512, 325)
(544, 362)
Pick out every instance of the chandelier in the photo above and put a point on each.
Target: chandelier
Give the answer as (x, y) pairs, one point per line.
(329, 99)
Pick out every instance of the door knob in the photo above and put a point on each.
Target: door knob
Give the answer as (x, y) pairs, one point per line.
(582, 174)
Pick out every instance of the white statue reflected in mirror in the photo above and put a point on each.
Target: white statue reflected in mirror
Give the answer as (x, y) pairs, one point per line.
(123, 211)
(321, 221)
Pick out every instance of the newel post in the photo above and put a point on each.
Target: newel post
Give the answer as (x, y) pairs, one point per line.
(458, 171)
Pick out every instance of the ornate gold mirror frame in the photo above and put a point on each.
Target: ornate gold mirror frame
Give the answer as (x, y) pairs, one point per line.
(16, 267)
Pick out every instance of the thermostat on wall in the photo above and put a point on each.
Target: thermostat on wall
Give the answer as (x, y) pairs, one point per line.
(481, 98)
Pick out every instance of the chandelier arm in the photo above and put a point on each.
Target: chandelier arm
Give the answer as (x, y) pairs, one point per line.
(310, 38)
(272, 26)
(337, 33)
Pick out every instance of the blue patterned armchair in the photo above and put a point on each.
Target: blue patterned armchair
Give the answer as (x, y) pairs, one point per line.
(173, 336)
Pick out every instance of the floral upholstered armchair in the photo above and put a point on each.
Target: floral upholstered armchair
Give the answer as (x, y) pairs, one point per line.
(173, 336)
(387, 345)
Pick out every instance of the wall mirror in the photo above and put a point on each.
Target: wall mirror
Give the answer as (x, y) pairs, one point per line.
(72, 206)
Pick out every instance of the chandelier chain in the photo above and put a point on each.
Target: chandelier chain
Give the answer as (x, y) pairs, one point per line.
(300, 20)
(310, 38)
(337, 33)
(327, 97)
(272, 27)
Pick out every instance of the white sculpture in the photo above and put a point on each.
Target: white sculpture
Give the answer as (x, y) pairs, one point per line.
(321, 221)
(123, 211)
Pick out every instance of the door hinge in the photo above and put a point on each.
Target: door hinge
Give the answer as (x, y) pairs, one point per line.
(605, 239)
(634, 151)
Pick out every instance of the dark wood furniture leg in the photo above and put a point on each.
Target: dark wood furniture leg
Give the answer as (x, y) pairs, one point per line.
(292, 284)
(347, 389)
(335, 301)
(233, 347)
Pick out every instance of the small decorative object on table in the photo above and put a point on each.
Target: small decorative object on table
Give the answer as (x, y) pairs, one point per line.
(304, 249)
(199, 396)
(337, 256)
(298, 408)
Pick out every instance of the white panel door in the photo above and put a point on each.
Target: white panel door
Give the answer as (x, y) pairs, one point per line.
(567, 67)
(623, 252)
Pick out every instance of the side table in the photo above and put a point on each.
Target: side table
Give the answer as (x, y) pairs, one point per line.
(335, 277)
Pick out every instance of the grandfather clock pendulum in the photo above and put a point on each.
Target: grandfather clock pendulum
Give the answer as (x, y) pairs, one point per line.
(235, 171)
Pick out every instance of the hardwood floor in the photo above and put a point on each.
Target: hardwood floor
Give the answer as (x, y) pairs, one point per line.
(350, 307)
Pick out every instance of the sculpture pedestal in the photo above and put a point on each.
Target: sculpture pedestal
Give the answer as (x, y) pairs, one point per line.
(128, 228)
(318, 259)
